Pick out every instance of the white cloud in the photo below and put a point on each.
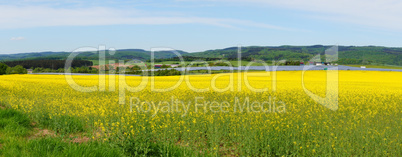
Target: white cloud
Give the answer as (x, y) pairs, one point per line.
(385, 14)
(17, 38)
(42, 16)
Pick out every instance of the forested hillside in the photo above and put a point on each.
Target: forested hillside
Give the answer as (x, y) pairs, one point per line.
(347, 54)
(119, 54)
(51, 64)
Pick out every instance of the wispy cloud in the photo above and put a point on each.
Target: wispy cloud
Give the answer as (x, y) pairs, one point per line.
(376, 13)
(385, 14)
(42, 16)
(17, 38)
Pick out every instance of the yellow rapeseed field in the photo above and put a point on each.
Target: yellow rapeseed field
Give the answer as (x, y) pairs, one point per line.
(238, 121)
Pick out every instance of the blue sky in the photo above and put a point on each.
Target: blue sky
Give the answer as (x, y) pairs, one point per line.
(195, 25)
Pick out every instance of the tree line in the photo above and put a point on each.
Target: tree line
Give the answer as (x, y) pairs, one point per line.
(51, 64)
(72, 70)
(18, 69)
(186, 58)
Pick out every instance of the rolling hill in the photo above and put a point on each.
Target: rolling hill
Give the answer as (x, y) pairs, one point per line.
(347, 54)
(119, 54)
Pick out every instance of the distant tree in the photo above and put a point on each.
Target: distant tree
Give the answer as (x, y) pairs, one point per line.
(94, 70)
(292, 63)
(16, 70)
(20, 69)
(135, 67)
(37, 70)
(165, 66)
(3, 68)
(60, 70)
(110, 67)
(52, 64)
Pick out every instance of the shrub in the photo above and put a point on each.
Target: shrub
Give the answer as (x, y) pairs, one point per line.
(3, 68)
(16, 70)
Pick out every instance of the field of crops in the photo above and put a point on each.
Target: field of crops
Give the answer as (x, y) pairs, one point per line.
(283, 120)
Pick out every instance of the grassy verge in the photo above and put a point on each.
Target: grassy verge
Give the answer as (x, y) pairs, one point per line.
(63, 136)
(19, 136)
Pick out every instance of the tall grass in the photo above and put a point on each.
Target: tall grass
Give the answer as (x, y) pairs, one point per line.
(16, 139)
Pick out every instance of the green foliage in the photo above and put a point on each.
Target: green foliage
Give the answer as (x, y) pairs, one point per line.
(14, 123)
(55, 147)
(51, 64)
(44, 70)
(165, 66)
(28, 56)
(166, 72)
(141, 147)
(84, 70)
(15, 127)
(3, 68)
(16, 70)
(219, 63)
(347, 54)
(125, 54)
(185, 58)
(292, 63)
(136, 67)
(208, 72)
(73, 70)
(62, 124)
(161, 72)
